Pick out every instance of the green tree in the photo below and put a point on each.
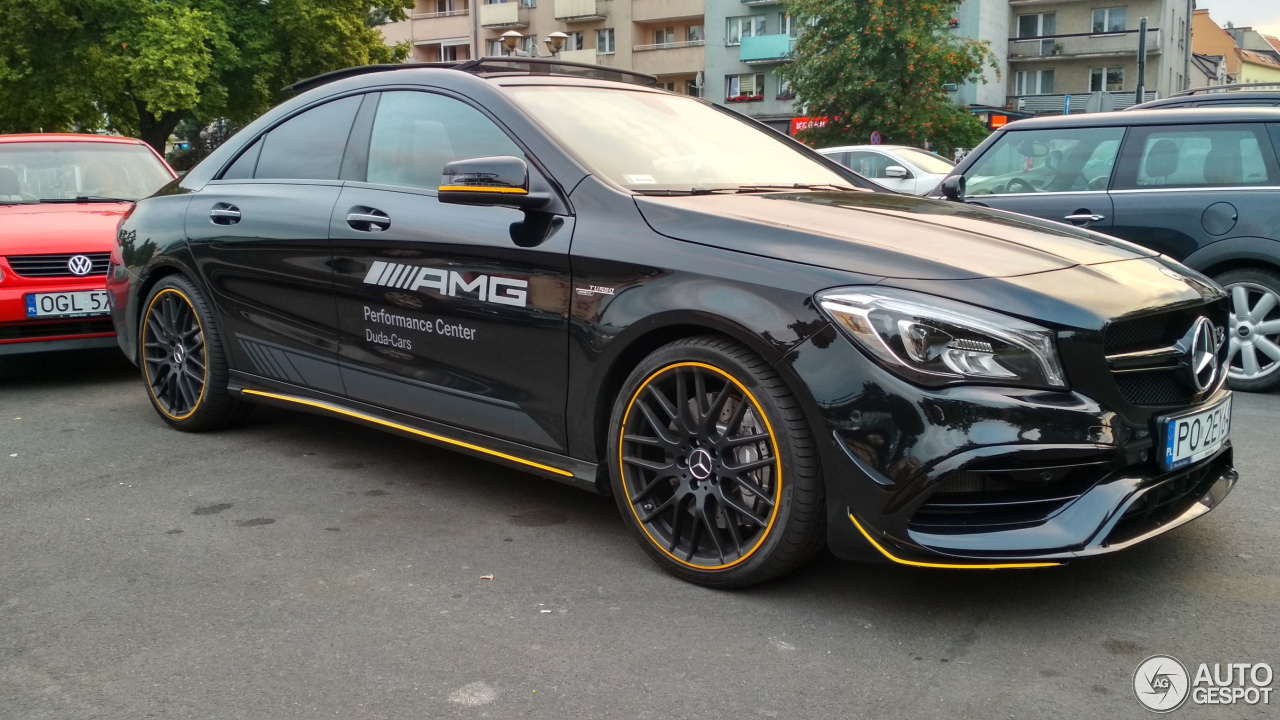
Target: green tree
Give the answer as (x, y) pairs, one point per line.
(140, 67)
(880, 65)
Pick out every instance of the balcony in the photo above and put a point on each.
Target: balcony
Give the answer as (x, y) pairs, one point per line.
(766, 49)
(588, 57)
(442, 26)
(1056, 104)
(504, 15)
(575, 11)
(668, 58)
(653, 11)
(1082, 45)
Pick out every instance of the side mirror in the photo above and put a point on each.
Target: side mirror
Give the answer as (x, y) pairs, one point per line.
(896, 171)
(953, 188)
(502, 180)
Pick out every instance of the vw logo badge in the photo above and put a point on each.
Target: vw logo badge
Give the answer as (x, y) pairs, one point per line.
(700, 464)
(80, 265)
(1204, 354)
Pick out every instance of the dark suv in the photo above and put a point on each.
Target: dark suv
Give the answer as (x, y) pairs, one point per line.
(644, 295)
(1201, 186)
(1246, 95)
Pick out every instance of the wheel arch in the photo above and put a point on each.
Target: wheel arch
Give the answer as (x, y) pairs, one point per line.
(1235, 253)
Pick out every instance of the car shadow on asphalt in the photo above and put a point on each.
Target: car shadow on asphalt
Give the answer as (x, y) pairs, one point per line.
(67, 368)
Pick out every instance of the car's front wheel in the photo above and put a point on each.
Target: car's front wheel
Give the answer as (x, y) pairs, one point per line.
(713, 465)
(1254, 333)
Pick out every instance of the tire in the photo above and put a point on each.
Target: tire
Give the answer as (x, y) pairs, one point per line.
(708, 504)
(187, 386)
(1254, 332)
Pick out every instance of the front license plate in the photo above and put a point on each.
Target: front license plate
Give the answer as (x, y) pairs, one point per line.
(69, 304)
(1193, 437)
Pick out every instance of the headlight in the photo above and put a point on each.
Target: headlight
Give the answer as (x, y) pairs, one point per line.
(934, 341)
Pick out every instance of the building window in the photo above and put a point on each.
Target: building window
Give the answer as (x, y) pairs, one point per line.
(668, 86)
(790, 25)
(496, 49)
(692, 89)
(1039, 25)
(1108, 20)
(745, 26)
(784, 90)
(664, 36)
(1110, 79)
(529, 45)
(1034, 82)
(744, 88)
(529, 3)
(453, 53)
(604, 42)
(695, 34)
(574, 41)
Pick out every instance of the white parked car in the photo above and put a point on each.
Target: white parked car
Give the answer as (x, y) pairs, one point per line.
(902, 168)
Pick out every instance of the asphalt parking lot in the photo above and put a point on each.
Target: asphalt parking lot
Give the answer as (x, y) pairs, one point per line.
(302, 567)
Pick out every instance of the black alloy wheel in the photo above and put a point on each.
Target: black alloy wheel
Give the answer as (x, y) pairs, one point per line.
(182, 359)
(719, 493)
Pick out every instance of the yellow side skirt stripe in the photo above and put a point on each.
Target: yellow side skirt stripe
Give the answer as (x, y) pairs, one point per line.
(406, 428)
(949, 566)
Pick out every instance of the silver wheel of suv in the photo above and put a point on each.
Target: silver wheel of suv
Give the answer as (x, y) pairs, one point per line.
(1254, 360)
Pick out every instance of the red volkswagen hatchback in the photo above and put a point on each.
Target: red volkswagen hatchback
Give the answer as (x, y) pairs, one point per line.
(61, 198)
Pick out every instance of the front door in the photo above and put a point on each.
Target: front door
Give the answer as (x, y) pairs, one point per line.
(260, 236)
(441, 314)
(1058, 174)
(874, 165)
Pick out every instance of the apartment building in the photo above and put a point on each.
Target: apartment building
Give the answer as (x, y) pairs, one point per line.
(747, 41)
(438, 30)
(1061, 51)
(1247, 55)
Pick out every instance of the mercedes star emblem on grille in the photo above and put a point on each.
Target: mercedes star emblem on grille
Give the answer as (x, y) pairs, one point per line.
(80, 265)
(1204, 354)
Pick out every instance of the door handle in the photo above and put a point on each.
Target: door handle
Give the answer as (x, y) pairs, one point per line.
(1085, 217)
(224, 214)
(367, 219)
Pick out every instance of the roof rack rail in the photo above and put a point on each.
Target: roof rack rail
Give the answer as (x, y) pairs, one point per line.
(1244, 87)
(506, 65)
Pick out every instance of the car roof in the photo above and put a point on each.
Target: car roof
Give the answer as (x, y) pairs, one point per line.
(1187, 116)
(68, 137)
(545, 70)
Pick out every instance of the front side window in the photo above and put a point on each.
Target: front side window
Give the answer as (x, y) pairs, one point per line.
(1109, 20)
(416, 133)
(869, 164)
(604, 42)
(67, 170)
(1037, 161)
(1198, 156)
(647, 141)
(308, 146)
(1110, 79)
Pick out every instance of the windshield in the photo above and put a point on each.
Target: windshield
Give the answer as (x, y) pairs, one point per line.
(647, 141)
(33, 172)
(926, 161)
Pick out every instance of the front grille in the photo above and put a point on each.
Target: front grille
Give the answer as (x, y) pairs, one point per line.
(25, 331)
(1160, 381)
(38, 266)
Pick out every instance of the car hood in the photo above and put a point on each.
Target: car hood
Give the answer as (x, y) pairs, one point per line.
(53, 229)
(892, 236)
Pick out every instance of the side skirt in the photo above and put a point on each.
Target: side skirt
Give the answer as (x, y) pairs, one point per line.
(571, 471)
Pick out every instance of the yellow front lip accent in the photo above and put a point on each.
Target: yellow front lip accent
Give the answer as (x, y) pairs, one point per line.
(406, 428)
(482, 188)
(948, 566)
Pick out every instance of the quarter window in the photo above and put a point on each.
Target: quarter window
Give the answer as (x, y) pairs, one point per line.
(1109, 20)
(416, 133)
(308, 146)
(1037, 161)
(1198, 156)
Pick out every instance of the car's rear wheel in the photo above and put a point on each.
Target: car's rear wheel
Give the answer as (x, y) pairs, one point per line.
(1254, 357)
(713, 465)
(182, 359)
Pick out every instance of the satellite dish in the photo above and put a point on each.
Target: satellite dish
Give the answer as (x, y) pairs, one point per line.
(1100, 102)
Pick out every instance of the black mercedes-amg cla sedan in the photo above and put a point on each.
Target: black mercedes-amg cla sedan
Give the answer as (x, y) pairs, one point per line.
(566, 270)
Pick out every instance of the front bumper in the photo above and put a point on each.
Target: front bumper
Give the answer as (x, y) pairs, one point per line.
(22, 335)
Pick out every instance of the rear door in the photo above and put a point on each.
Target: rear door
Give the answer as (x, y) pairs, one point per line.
(442, 315)
(1058, 174)
(260, 235)
(1181, 187)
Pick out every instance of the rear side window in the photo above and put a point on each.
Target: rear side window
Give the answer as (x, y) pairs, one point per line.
(416, 133)
(1040, 161)
(1197, 156)
(308, 146)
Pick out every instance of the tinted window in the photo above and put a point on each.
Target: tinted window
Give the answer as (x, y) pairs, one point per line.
(1198, 155)
(308, 146)
(415, 134)
(1057, 160)
(242, 168)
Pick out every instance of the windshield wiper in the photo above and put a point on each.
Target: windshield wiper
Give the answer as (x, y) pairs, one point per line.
(84, 199)
(793, 186)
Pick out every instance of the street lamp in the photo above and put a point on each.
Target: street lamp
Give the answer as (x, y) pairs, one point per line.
(555, 42)
(511, 40)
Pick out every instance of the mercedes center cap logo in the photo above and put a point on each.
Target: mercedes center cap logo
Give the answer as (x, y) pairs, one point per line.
(700, 464)
(1204, 354)
(80, 265)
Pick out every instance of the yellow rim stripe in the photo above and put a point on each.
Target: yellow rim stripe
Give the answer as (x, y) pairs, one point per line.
(204, 350)
(406, 428)
(777, 500)
(482, 188)
(949, 566)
